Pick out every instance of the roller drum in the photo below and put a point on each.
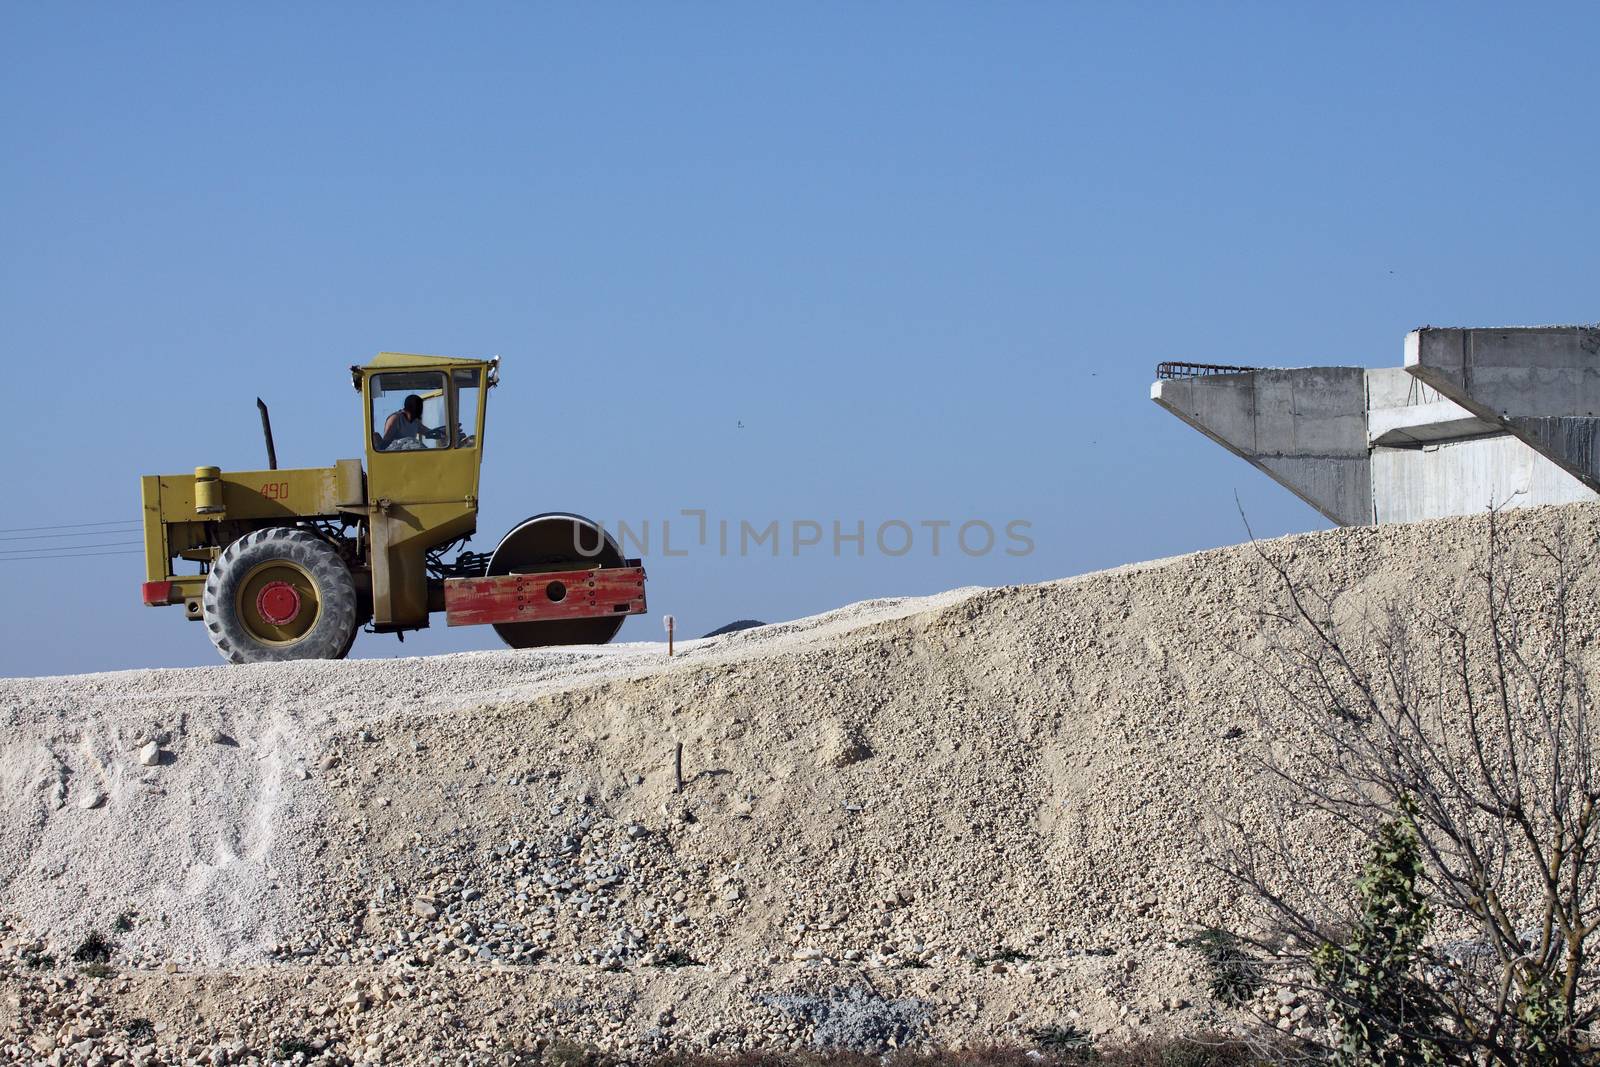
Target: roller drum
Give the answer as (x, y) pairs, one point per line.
(556, 541)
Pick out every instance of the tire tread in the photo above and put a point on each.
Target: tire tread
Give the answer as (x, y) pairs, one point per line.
(334, 631)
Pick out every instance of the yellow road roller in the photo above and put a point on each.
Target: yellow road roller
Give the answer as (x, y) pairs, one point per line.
(290, 564)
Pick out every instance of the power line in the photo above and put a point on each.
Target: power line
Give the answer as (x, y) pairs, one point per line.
(69, 526)
(66, 548)
(80, 555)
(119, 522)
(80, 533)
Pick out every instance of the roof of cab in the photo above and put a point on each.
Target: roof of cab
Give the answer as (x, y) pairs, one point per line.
(414, 361)
(391, 360)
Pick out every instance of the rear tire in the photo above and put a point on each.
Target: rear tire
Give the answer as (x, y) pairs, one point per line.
(280, 594)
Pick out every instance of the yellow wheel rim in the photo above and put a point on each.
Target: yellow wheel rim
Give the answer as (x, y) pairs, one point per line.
(278, 602)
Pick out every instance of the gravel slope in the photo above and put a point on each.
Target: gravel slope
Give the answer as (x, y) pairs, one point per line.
(948, 819)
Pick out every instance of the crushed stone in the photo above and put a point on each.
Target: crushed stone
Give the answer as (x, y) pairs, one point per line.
(953, 819)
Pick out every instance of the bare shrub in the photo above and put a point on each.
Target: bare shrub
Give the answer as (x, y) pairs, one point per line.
(1470, 722)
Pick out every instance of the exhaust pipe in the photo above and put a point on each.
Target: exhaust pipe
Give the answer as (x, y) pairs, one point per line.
(266, 431)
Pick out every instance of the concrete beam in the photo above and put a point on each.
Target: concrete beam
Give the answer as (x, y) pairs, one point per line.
(1540, 383)
(1421, 424)
(1402, 412)
(1305, 428)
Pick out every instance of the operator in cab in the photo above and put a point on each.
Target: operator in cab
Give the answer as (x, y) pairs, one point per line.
(404, 429)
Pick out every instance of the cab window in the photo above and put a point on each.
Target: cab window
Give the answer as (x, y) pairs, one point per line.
(466, 383)
(410, 411)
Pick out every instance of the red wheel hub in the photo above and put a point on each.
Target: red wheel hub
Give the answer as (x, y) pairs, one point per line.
(278, 603)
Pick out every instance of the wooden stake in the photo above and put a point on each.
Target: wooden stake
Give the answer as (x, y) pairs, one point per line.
(670, 623)
(677, 767)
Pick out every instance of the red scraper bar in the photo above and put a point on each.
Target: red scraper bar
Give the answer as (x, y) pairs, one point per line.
(584, 594)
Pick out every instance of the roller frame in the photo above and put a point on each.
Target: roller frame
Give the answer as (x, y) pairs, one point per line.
(591, 593)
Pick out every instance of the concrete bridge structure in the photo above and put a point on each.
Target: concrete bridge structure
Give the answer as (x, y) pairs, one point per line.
(1474, 418)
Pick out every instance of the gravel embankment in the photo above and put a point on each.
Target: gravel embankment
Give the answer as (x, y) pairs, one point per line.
(950, 819)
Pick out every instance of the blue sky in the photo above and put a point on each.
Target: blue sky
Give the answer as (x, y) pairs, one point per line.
(779, 262)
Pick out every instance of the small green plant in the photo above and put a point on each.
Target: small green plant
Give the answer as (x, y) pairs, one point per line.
(96, 970)
(1003, 954)
(290, 1047)
(674, 958)
(93, 949)
(1062, 1039)
(1542, 1017)
(124, 923)
(139, 1030)
(1382, 1011)
(36, 960)
(561, 1052)
(1234, 975)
